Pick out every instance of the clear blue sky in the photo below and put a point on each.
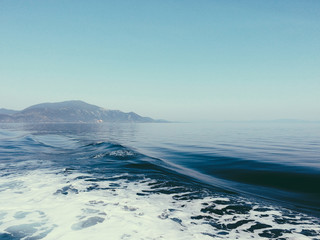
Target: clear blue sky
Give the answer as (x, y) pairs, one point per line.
(177, 60)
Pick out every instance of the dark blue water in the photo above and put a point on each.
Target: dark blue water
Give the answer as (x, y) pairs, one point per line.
(214, 180)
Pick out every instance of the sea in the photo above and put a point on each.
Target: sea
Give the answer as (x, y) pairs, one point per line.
(168, 181)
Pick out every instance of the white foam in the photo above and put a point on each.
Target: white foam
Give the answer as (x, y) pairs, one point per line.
(52, 205)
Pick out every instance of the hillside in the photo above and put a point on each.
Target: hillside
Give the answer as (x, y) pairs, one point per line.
(70, 111)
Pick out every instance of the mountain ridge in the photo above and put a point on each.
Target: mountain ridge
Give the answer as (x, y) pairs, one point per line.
(71, 111)
(7, 111)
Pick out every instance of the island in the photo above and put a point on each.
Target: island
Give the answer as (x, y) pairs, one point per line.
(70, 111)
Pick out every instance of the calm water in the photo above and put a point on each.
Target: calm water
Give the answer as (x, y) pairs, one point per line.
(160, 181)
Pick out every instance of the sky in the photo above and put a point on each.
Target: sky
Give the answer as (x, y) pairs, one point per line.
(176, 60)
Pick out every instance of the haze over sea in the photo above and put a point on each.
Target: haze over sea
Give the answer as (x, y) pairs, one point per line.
(188, 61)
(160, 181)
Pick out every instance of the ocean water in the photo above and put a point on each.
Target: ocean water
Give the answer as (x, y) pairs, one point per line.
(160, 181)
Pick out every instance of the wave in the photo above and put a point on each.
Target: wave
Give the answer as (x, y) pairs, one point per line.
(101, 186)
(295, 185)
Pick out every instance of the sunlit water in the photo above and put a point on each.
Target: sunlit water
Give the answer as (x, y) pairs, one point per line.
(160, 181)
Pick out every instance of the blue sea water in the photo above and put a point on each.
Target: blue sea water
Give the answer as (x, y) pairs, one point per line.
(160, 181)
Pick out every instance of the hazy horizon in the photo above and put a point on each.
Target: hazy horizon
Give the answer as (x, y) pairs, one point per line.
(180, 61)
(281, 120)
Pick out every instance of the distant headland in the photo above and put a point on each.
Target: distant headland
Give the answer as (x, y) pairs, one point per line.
(70, 111)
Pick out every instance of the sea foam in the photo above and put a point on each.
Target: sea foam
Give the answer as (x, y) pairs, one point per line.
(65, 204)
